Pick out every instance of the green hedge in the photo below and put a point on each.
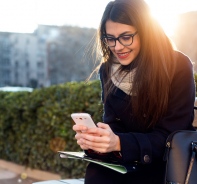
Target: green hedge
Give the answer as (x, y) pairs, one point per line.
(34, 126)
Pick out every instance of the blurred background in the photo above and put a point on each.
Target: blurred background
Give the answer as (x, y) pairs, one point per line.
(48, 42)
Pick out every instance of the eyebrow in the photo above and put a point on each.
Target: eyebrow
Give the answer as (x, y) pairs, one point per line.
(126, 32)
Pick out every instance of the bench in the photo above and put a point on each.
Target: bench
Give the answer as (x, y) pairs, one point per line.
(67, 181)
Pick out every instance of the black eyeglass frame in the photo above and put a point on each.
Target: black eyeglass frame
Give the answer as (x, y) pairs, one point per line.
(115, 39)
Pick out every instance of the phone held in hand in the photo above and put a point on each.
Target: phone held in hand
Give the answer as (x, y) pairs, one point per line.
(83, 119)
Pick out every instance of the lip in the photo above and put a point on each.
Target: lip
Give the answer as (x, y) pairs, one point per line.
(123, 55)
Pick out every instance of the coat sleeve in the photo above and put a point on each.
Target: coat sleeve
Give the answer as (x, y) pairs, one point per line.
(149, 147)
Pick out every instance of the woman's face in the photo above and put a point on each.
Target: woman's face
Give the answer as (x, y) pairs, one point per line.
(124, 54)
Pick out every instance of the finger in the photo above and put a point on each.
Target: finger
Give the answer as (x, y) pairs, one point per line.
(78, 136)
(99, 145)
(99, 131)
(93, 131)
(98, 148)
(79, 128)
(82, 146)
(103, 125)
(100, 125)
(95, 142)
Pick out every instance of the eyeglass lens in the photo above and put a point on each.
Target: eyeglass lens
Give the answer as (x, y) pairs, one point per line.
(125, 40)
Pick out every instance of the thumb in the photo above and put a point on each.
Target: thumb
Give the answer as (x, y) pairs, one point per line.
(103, 125)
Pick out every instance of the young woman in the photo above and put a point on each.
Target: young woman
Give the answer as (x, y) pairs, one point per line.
(148, 92)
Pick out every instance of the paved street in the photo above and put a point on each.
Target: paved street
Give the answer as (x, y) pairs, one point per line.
(12, 173)
(8, 177)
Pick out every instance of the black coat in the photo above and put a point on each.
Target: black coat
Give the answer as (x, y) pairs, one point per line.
(148, 147)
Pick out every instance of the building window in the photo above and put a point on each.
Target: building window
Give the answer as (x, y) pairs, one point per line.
(40, 76)
(6, 62)
(27, 64)
(16, 64)
(40, 64)
(16, 76)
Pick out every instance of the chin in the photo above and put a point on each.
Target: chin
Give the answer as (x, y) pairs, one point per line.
(125, 62)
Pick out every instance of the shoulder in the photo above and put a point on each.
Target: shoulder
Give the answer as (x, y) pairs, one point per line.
(183, 65)
(182, 60)
(183, 73)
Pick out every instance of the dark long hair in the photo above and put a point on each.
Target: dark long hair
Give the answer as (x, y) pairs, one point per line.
(155, 61)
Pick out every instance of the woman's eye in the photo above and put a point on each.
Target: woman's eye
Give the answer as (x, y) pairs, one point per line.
(110, 39)
(126, 38)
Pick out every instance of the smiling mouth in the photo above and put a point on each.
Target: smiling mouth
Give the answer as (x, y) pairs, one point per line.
(123, 55)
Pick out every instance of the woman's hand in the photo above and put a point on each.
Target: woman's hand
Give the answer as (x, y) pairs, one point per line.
(101, 138)
(79, 129)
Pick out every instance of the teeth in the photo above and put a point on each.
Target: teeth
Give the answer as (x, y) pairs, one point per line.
(123, 54)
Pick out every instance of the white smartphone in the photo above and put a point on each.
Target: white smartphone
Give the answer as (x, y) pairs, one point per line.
(83, 119)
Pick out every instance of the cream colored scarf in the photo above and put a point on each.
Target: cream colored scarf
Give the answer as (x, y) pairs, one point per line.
(122, 80)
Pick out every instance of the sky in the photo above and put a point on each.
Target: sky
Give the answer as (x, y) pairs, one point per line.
(25, 15)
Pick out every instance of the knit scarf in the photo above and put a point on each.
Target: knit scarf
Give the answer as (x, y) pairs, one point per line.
(123, 80)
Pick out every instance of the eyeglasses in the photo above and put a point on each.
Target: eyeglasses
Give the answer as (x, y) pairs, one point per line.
(125, 40)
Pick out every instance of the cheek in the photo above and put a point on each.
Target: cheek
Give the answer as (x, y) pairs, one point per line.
(138, 45)
(112, 50)
(138, 50)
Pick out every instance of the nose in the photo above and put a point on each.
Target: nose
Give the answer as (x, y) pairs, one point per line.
(118, 46)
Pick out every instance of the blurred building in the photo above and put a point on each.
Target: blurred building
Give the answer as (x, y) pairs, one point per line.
(27, 65)
(5, 60)
(50, 55)
(23, 58)
(53, 55)
(70, 55)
